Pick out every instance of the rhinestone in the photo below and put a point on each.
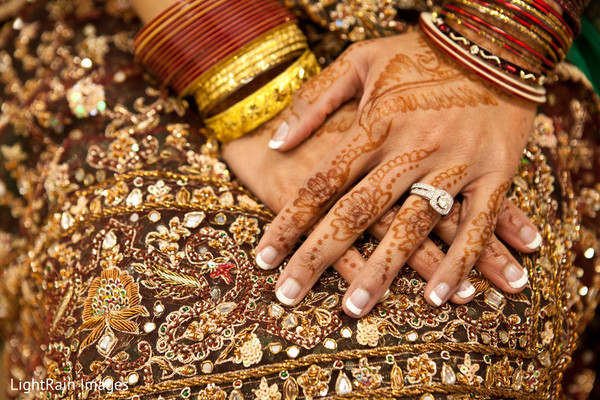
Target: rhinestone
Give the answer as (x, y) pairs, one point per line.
(448, 376)
(120, 77)
(290, 322)
(133, 378)
(331, 301)
(193, 219)
(275, 311)
(412, 336)
(226, 308)
(220, 219)
(494, 299)
(158, 308)
(474, 49)
(485, 338)
(236, 395)
(134, 217)
(544, 358)
(330, 344)
(343, 385)
(106, 343)
(66, 220)
(275, 347)
(154, 216)
(346, 333)
(134, 198)
(149, 327)
(293, 351)
(504, 336)
(110, 240)
(215, 293)
(427, 396)
(108, 382)
(207, 367)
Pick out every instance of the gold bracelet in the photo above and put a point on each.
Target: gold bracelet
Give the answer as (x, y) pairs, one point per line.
(549, 19)
(260, 55)
(265, 103)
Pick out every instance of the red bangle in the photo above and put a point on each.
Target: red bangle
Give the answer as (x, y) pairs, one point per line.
(215, 35)
(182, 80)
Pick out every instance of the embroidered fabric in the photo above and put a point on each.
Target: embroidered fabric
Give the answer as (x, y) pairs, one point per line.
(127, 249)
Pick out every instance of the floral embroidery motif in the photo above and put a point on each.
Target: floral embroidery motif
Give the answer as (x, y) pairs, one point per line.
(315, 382)
(266, 392)
(366, 376)
(421, 370)
(113, 300)
(244, 229)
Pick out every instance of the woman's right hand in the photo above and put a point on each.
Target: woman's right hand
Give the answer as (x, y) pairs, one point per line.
(274, 177)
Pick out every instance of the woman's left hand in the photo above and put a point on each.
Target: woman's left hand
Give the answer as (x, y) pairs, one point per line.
(422, 118)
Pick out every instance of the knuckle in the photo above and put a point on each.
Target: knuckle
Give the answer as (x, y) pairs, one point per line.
(313, 260)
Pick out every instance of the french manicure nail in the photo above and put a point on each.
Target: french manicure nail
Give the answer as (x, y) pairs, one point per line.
(465, 290)
(288, 291)
(438, 294)
(279, 138)
(530, 237)
(515, 276)
(357, 301)
(266, 257)
(385, 295)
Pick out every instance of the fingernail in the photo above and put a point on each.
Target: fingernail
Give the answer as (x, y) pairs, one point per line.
(465, 290)
(438, 294)
(515, 276)
(279, 137)
(266, 257)
(385, 296)
(530, 237)
(288, 291)
(357, 301)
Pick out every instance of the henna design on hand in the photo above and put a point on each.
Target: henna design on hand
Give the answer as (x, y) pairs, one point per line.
(483, 227)
(312, 89)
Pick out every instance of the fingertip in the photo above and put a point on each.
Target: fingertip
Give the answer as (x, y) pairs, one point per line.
(267, 257)
(280, 136)
(288, 292)
(438, 295)
(531, 244)
(356, 302)
(466, 290)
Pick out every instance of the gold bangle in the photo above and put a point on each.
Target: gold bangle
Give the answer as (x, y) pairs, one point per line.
(271, 49)
(265, 103)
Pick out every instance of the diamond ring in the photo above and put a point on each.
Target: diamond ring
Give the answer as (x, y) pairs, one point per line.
(440, 200)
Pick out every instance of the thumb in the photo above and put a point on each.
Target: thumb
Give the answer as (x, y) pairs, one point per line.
(317, 98)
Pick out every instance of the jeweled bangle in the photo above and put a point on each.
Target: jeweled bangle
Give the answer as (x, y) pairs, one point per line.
(486, 55)
(265, 103)
(273, 48)
(488, 72)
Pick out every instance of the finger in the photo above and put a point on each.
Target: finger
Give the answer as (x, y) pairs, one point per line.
(516, 229)
(319, 97)
(495, 262)
(348, 218)
(477, 224)
(409, 229)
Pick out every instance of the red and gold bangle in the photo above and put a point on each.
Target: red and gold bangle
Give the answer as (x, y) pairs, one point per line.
(199, 65)
(487, 56)
(528, 60)
(488, 72)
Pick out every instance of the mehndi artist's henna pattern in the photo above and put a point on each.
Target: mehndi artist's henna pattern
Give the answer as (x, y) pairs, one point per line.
(483, 228)
(402, 83)
(415, 221)
(356, 213)
(311, 90)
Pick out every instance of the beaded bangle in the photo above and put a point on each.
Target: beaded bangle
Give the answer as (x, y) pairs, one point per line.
(487, 56)
(481, 68)
(263, 104)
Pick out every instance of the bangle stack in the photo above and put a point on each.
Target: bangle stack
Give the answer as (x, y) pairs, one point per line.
(531, 32)
(209, 49)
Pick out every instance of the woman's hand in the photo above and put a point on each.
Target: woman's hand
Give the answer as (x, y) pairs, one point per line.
(274, 177)
(421, 118)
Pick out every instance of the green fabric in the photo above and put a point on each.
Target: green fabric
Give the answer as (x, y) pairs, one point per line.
(585, 52)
